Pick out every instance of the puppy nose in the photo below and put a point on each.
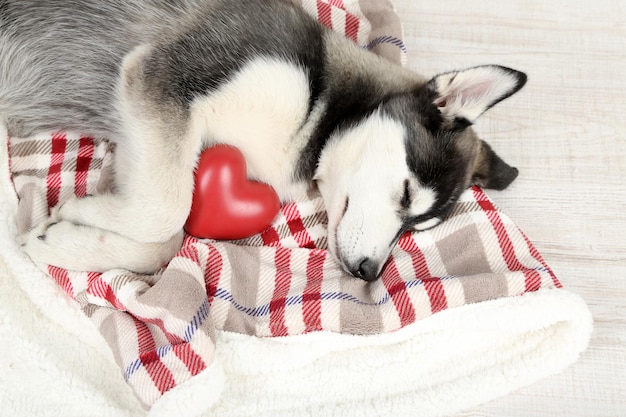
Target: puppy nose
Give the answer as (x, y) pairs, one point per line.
(367, 270)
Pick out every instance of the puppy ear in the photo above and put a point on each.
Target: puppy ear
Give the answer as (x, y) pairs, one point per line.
(462, 96)
(490, 171)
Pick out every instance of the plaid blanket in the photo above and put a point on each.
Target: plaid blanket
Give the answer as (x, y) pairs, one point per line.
(282, 282)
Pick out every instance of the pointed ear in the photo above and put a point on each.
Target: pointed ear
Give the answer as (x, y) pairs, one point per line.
(462, 96)
(490, 171)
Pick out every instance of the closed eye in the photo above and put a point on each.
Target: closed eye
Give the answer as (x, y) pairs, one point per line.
(426, 224)
(416, 224)
(405, 202)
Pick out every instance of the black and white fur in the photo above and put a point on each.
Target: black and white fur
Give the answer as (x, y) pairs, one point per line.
(389, 150)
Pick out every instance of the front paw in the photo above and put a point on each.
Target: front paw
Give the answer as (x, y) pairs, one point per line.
(65, 245)
(36, 242)
(39, 231)
(83, 248)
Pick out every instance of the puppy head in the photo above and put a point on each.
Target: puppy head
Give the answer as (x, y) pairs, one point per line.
(403, 166)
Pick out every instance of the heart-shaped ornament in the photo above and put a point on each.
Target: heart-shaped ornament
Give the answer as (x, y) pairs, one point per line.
(226, 204)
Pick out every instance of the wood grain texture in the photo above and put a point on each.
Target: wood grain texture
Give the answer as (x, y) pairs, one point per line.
(566, 132)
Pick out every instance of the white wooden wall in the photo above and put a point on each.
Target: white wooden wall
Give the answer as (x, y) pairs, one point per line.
(566, 132)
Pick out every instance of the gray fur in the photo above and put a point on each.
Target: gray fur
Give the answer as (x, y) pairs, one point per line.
(61, 60)
(58, 71)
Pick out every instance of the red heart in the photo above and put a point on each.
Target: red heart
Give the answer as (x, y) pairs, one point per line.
(226, 205)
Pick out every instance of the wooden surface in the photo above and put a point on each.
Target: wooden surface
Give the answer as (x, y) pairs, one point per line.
(566, 132)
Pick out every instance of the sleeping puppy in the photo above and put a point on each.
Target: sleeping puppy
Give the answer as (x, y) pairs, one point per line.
(389, 150)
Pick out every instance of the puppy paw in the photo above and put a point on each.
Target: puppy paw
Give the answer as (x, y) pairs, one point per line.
(52, 243)
(131, 218)
(84, 248)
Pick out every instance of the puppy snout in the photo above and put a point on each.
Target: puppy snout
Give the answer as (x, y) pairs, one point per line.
(366, 269)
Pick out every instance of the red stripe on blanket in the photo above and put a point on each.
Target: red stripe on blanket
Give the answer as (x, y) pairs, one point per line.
(212, 269)
(189, 252)
(92, 277)
(434, 287)
(190, 358)
(536, 255)
(83, 162)
(282, 259)
(112, 298)
(53, 180)
(312, 296)
(297, 228)
(436, 294)
(337, 3)
(213, 272)
(352, 27)
(324, 14)
(532, 280)
(270, 237)
(408, 244)
(98, 287)
(173, 338)
(62, 279)
(506, 245)
(145, 341)
(396, 287)
(160, 375)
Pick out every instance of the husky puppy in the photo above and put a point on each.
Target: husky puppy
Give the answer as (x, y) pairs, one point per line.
(389, 150)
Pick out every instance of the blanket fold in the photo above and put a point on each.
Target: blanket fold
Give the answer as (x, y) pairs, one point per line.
(451, 361)
(463, 313)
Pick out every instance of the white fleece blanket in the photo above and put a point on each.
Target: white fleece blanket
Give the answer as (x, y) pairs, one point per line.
(436, 344)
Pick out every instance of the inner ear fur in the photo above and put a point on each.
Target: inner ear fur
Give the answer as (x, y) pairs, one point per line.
(490, 171)
(463, 96)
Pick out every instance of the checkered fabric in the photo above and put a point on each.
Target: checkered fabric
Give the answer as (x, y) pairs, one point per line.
(162, 327)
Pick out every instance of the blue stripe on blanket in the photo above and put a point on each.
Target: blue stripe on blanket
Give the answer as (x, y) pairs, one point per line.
(264, 309)
(197, 320)
(387, 39)
(201, 315)
(259, 311)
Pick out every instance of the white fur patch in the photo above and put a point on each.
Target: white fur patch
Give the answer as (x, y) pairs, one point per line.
(423, 200)
(261, 111)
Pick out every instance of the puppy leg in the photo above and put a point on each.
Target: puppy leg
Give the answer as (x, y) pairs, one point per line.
(153, 195)
(154, 164)
(139, 226)
(83, 248)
